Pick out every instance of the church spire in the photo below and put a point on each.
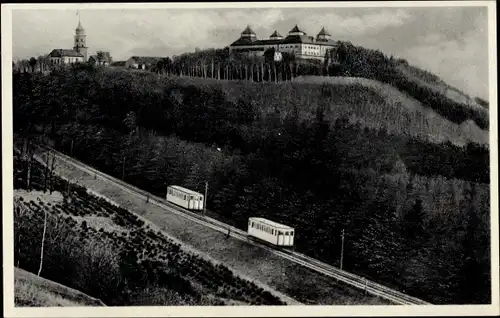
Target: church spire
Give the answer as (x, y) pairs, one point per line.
(79, 28)
(80, 39)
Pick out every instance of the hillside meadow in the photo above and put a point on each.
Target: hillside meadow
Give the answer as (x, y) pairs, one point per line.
(410, 188)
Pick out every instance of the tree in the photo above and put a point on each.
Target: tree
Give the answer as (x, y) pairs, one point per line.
(43, 240)
(32, 64)
(20, 212)
(131, 121)
(100, 57)
(413, 222)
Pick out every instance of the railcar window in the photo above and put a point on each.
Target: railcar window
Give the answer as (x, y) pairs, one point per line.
(291, 233)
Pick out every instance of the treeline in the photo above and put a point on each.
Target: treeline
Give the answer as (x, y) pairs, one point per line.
(407, 225)
(222, 65)
(42, 63)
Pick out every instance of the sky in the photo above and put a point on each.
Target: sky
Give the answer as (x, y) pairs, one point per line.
(451, 42)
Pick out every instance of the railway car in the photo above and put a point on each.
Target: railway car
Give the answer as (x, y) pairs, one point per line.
(185, 198)
(271, 232)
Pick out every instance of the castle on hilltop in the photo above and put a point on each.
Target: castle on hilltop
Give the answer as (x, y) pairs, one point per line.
(297, 42)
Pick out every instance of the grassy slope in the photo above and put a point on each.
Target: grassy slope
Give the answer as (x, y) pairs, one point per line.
(368, 102)
(34, 291)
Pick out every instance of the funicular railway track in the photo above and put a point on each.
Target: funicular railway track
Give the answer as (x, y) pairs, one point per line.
(301, 259)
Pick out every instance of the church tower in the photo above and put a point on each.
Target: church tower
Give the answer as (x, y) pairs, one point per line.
(80, 41)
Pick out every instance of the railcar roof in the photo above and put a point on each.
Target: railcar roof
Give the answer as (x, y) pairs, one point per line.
(184, 190)
(271, 223)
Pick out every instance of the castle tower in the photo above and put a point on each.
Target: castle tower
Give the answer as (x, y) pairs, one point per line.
(80, 41)
(248, 34)
(296, 31)
(276, 36)
(323, 35)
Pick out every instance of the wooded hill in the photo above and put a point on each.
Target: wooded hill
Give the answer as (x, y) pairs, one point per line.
(347, 60)
(415, 212)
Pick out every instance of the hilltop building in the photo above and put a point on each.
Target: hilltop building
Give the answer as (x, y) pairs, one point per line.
(296, 42)
(142, 62)
(77, 55)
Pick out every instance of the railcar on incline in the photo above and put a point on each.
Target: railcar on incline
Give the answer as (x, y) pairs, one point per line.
(185, 198)
(271, 232)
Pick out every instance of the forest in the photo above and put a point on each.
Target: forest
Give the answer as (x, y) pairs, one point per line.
(415, 213)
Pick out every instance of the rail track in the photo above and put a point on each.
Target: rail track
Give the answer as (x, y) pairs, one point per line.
(306, 261)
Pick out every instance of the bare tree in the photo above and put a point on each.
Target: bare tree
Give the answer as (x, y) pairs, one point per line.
(46, 172)
(29, 162)
(43, 240)
(20, 212)
(51, 175)
(99, 269)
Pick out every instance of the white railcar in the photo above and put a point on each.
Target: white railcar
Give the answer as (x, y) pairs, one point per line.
(185, 198)
(271, 232)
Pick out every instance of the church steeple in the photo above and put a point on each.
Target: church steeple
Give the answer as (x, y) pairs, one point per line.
(80, 40)
(79, 28)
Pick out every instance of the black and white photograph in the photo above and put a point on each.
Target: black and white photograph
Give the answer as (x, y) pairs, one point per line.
(250, 159)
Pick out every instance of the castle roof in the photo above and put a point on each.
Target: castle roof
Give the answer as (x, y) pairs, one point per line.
(324, 32)
(296, 29)
(65, 53)
(244, 41)
(298, 39)
(247, 31)
(292, 38)
(326, 42)
(275, 34)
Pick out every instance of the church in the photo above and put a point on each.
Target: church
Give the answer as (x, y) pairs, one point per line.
(77, 55)
(297, 42)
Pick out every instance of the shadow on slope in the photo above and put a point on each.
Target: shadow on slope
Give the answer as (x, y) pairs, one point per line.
(35, 291)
